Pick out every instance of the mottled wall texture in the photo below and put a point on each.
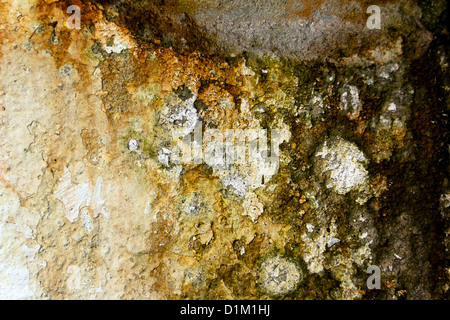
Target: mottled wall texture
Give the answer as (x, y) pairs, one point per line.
(97, 201)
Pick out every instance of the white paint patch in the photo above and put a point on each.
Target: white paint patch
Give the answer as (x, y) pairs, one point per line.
(99, 289)
(14, 283)
(76, 196)
(30, 252)
(73, 196)
(97, 199)
(16, 225)
(26, 231)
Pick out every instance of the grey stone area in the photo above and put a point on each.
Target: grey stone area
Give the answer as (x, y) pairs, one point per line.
(284, 28)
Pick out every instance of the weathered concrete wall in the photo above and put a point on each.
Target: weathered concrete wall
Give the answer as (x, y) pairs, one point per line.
(92, 205)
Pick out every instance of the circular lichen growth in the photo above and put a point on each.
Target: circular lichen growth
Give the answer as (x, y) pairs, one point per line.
(133, 144)
(136, 143)
(279, 275)
(343, 165)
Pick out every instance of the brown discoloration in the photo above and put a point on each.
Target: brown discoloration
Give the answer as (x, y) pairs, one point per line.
(147, 230)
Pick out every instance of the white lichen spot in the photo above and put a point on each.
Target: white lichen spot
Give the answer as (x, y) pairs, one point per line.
(384, 75)
(445, 200)
(116, 47)
(350, 102)
(181, 118)
(163, 156)
(315, 244)
(246, 71)
(279, 275)
(317, 101)
(245, 106)
(343, 164)
(332, 242)
(87, 219)
(133, 145)
(369, 81)
(237, 183)
(317, 106)
(392, 107)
